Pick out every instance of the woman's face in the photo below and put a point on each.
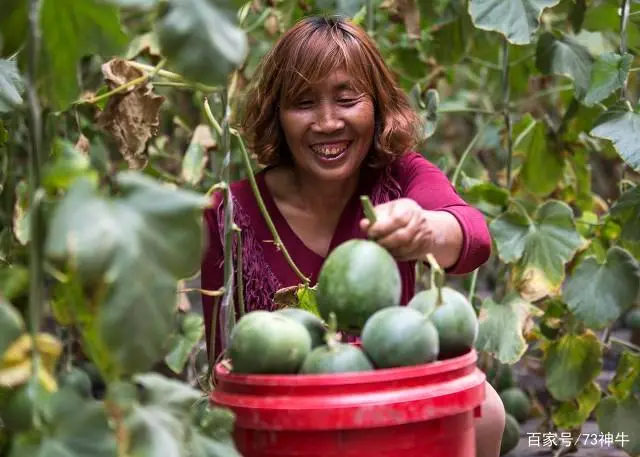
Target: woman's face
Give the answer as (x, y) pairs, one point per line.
(329, 128)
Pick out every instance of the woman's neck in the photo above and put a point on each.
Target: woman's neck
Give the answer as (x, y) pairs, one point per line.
(312, 195)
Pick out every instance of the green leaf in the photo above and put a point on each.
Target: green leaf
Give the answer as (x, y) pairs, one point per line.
(163, 422)
(621, 420)
(627, 211)
(137, 246)
(14, 22)
(571, 363)
(11, 325)
(539, 246)
(501, 327)
(543, 165)
(191, 330)
(197, 50)
(76, 428)
(517, 20)
(574, 413)
(11, 86)
(564, 56)
(485, 196)
(193, 164)
(71, 30)
(627, 375)
(451, 41)
(609, 74)
(66, 166)
(431, 101)
(598, 293)
(622, 127)
(14, 282)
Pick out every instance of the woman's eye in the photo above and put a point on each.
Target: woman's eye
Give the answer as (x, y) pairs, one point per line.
(304, 103)
(347, 100)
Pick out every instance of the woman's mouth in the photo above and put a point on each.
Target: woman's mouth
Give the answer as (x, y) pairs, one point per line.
(330, 151)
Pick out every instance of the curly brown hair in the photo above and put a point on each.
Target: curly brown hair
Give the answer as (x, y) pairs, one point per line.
(305, 54)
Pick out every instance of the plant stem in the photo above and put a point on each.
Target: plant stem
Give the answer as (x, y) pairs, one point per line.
(463, 157)
(505, 107)
(370, 17)
(624, 21)
(544, 93)
(256, 192)
(36, 261)
(627, 344)
(240, 281)
(633, 70)
(472, 288)
(228, 298)
(128, 84)
(263, 209)
(466, 110)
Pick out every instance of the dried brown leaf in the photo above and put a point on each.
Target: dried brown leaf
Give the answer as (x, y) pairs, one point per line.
(83, 145)
(410, 13)
(131, 116)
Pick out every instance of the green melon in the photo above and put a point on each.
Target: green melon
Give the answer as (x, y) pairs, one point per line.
(510, 436)
(336, 358)
(516, 403)
(314, 325)
(454, 318)
(268, 343)
(358, 278)
(400, 336)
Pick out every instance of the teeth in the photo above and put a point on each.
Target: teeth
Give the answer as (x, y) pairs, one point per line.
(332, 150)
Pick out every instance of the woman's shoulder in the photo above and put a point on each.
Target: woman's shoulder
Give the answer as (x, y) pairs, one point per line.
(413, 165)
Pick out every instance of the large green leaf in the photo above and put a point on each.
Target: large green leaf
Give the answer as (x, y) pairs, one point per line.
(136, 246)
(575, 412)
(539, 246)
(621, 420)
(71, 30)
(543, 165)
(163, 422)
(517, 20)
(564, 56)
(571, 363)
(195, 48)
(13, 26)
(11, 325)
(76, 428)
(622, 127)
(11, 86)
(627, 375)
(609, 73)
(189, 334)
(627, 210)
(598, 293)
(502, 325)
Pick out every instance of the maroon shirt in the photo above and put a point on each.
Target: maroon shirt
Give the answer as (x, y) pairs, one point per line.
(265, 269)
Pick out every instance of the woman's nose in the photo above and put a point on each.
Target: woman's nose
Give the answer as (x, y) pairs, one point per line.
(327, 119)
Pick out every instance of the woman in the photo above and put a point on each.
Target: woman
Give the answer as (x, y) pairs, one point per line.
(329, 124)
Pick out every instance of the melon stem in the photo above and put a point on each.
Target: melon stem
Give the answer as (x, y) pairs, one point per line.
(331, 337)
(437, 277)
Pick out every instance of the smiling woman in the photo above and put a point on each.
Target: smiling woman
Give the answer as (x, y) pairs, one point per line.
(328, 123)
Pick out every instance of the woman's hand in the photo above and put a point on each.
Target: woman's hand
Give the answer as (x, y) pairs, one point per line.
(410, 232)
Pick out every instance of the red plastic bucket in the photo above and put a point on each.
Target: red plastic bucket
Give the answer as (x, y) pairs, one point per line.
(420, 411)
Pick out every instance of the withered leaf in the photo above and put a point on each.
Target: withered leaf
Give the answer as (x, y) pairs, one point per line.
(131, 116)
